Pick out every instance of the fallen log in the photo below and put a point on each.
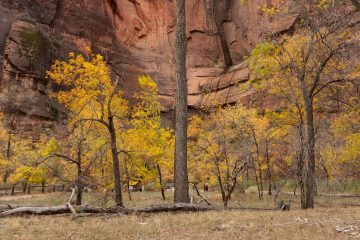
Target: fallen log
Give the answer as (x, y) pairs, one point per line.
(55, 210)
(174, 207)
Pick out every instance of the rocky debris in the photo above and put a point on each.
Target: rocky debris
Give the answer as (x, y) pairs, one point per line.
(351, 229)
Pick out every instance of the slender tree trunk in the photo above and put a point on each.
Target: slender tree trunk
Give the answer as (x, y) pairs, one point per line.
(127, 179)
(24, 188)
(160, 181)
(8, 154)
(79, 184)
(309, 166)
(181, 183)
(256, 178)
(259, 180)
(223, 195)
(6, 176)
(116, 167)
(268, 168)
(43, 186)
(79, 187)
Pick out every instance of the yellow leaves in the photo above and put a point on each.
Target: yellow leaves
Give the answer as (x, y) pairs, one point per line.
(28, 174)
(51, 147)
(224, 140)
(90, 88)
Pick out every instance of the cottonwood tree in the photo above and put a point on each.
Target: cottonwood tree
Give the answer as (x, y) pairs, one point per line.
(301, 66)
(149, 147)
(223, 143)
(181, 117)
(93, 97)
(78, 153)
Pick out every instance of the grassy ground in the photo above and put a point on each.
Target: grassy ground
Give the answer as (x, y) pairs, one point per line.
(333, 222)
(248, 200)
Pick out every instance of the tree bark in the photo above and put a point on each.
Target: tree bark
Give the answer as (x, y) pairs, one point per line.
(268, 169)
(79, 175)
(181, 117)
(176, 207)
(160, 181)
(300, 166)
(127, 179)
(116, 167)
(309, 165)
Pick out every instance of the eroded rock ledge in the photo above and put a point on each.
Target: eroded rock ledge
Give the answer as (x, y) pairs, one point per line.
(136, 37)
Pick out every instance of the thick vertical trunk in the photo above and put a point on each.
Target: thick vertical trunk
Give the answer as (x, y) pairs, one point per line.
(116, 167)
(180, 167)
(226, 201)
(300, 165)
(309, 165)
(160, 181)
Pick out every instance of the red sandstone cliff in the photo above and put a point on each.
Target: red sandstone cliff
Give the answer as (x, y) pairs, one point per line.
(136, 37)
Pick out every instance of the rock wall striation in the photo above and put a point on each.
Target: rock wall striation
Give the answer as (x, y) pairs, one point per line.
(136, 37)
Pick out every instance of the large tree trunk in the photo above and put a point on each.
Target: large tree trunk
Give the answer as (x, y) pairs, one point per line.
(116, 167)
(180, 167)
(309, 165)
(300, 166)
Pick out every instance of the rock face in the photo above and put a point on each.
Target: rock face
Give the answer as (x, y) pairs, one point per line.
(136, 37)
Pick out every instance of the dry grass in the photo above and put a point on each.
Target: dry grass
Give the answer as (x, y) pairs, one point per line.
(248, 200)
(314, 224)
(321, 223)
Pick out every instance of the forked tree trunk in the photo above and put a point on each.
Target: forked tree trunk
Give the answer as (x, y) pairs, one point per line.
(181, 117)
